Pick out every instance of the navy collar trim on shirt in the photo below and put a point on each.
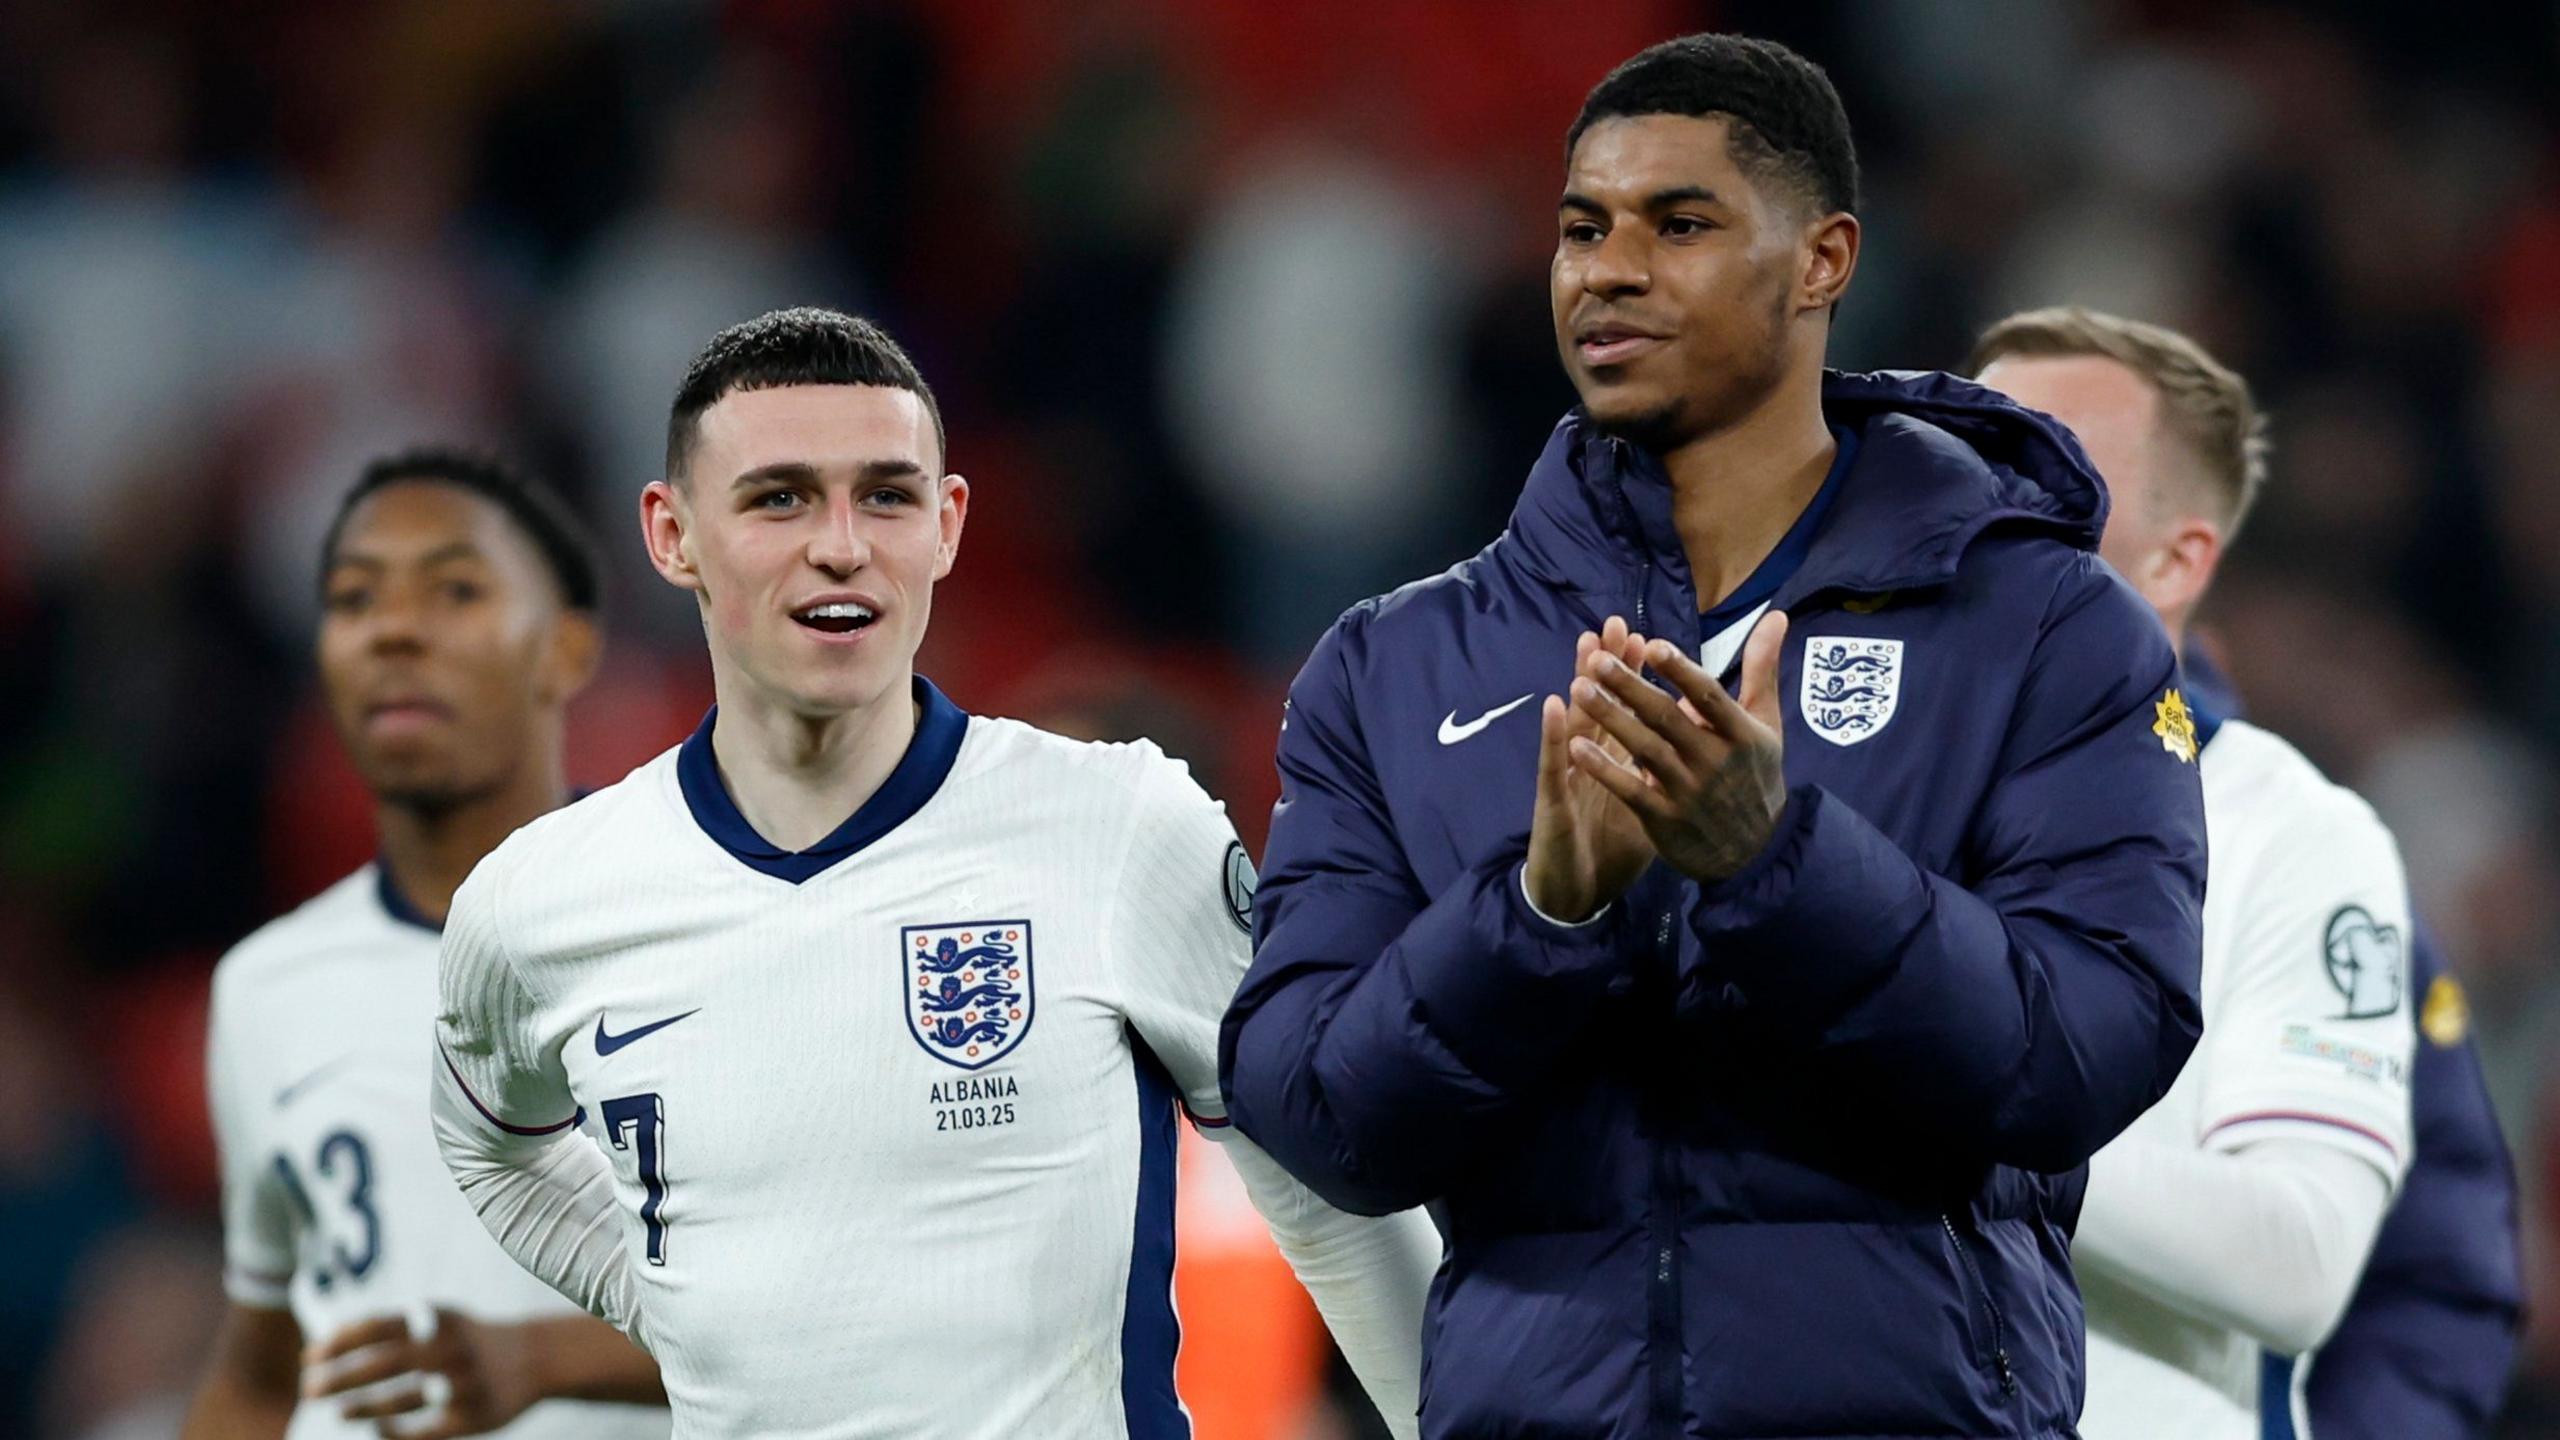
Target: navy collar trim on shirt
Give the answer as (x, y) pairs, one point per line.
(2209, 695)
(920, 773)
(396, 904)
(1782, 563)
(2205, 716)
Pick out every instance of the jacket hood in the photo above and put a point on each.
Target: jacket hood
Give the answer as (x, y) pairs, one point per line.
(1939, 461)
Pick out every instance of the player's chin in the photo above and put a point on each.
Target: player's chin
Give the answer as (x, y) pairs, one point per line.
(1632, 411)
(840, 684)
(419, 786)
(408, 764)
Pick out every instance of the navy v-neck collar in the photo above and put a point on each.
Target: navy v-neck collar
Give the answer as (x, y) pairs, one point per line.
(397, 905)
(939, 729)
(1783, 562)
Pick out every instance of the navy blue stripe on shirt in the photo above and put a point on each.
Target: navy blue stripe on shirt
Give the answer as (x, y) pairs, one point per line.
(940, 727)
(1150, 1332)
(2275, 1396)
(491, 1116)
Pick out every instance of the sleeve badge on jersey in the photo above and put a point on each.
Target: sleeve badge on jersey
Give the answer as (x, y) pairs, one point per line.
(2446, 1017)
(968, 989)
(2176, 726)
(1849, 686)
(1240, 884)
(2364, 962)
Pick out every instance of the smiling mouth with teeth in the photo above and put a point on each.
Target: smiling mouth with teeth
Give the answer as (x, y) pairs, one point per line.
(842, 618)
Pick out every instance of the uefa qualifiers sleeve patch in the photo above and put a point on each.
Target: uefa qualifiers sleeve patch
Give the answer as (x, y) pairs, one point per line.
(1240, 882)
(2364, 962)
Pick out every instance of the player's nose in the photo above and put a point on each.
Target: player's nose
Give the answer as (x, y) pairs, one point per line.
(1621, 264)
(836, 542)
(395, 625)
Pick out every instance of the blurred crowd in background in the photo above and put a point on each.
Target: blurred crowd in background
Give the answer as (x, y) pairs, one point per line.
(1237, 314)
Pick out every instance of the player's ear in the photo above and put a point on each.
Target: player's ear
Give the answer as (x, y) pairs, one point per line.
(1830, 258)
(666, 527)
(573, 655)
(953, 514)
(2183, 566)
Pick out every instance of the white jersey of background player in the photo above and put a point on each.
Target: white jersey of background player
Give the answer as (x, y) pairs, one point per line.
(456, 627)
(885, 1010)
(2224, 1231)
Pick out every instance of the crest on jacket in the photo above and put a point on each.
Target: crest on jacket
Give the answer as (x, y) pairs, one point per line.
(968, 989)
(1849, 686)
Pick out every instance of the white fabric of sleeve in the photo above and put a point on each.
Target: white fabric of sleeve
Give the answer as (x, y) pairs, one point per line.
(2267, 1240)
(504, 1121)
(258, 1219)
(2310, 1035)
(1179, 943)
(547, 1200)
(1371, 1278)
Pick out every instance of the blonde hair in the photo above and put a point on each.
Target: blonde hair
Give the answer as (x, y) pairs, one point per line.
(2204, 403)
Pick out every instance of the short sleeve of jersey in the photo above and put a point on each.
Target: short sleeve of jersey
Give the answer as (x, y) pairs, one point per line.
(258, 1240)
(2313, 1037)
(1181, 931)
(484, 1018)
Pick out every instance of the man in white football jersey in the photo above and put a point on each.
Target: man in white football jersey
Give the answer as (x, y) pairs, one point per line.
(886, 1011)
(2224, 1231)
(457, 621)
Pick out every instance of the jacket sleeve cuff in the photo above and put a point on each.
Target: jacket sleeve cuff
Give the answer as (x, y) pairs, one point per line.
(1520, 876)
(1505, 988)
(1816, 920)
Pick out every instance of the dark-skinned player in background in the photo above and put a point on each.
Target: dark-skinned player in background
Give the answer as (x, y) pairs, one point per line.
(458, 619)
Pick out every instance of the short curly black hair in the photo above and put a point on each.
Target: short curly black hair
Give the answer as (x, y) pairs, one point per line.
(804, 345)
(534, 506)
(1787, 123)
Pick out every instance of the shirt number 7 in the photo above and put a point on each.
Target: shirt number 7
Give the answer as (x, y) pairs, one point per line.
(640, 1122)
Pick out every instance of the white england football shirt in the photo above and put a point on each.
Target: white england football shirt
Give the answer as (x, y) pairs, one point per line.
(2307, 1037)
(335, 1203)
(892, 1120)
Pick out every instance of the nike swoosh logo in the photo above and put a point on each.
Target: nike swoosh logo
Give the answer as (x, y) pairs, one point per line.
(607, 1044)
(1451, 732)
(285, 1096)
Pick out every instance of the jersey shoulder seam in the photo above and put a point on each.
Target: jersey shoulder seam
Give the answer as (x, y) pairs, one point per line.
(282, 940)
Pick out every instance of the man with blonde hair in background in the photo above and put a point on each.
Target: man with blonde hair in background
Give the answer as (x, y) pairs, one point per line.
(2224, 1232)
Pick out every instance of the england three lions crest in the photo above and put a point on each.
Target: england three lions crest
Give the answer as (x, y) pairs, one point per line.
(968, 989)
(1850, 686)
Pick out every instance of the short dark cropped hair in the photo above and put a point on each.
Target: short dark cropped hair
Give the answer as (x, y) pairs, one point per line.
(1786, 121)
(805, 345)
(534, 506)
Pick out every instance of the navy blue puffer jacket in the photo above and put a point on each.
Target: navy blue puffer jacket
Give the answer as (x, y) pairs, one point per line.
(1798, 1153)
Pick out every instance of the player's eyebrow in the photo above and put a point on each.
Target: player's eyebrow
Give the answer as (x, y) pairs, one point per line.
(899, 469)
(790, 472)
(1659, 200)
(450, 550)
(800, 472)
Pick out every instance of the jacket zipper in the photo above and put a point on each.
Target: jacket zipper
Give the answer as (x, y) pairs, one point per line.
(1990, 1308)
(1670, 1351)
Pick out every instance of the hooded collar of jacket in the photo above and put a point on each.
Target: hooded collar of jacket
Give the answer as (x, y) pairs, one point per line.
(1939, 460)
